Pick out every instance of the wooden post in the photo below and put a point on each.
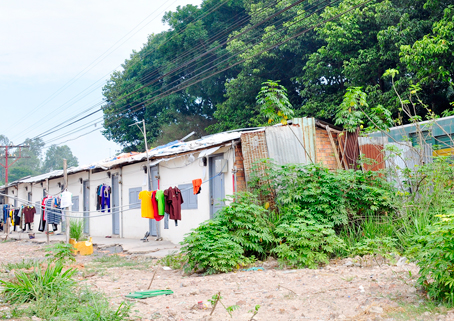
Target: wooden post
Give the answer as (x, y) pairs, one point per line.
(65, 175)
(333, 145)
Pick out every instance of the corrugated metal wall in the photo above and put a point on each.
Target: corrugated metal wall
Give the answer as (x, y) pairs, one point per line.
(307, 127)
(372, 148)
(349, 149)
(285, 145)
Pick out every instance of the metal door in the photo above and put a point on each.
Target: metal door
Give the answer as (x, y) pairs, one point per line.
(217, 189)
(86, 206)
(115, 205)
(75, 207)
(154, 186)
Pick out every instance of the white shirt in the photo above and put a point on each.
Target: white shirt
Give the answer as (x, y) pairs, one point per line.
(66, 199)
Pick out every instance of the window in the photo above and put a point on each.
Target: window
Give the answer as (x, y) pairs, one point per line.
(134, 201)
(189, 199)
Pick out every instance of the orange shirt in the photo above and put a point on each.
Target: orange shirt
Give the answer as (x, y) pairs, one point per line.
(147, 207)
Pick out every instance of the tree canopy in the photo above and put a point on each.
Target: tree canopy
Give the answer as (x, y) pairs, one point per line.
(345, 44)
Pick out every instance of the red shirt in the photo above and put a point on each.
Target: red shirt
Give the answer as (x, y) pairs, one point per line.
(29, 214)
(174, 199)
(154, 203)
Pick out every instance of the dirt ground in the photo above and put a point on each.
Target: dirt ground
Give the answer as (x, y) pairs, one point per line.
(343, 290)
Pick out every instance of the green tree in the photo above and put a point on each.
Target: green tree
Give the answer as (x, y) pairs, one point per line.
(274, 104)
(166, 62)
(54, 158)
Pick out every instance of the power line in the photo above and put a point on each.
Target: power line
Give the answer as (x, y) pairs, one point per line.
(220, 45)
(243, 60)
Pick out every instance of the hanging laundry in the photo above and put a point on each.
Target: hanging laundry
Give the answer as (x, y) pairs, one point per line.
(66, 199)
(154, 203)
(53, 211)
(147, 206)
(103, 193)
(29, 214)
(174, 199)
(161, 202)
(196, 184)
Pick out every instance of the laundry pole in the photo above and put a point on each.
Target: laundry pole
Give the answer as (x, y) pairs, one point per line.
(65, 175)
(144, 133)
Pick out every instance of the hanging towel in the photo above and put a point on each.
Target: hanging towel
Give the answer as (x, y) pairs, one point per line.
(196, 184)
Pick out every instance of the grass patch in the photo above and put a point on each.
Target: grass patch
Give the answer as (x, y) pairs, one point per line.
(76, 230)
(174, 260)
(417, 310)
(23, 265)
(50, 293)
(115, 260)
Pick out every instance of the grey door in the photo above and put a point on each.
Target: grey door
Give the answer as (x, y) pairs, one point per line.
(75, 207)
(115, 205)
(154, 186)
(217, 189)
(86, 206)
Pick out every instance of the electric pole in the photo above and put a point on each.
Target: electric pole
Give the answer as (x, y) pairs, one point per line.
(16, 155)
(6, 166)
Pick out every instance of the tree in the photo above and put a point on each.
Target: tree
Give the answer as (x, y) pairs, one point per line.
(274, 104)
(54, 158)
(31, 165)
(145, 89)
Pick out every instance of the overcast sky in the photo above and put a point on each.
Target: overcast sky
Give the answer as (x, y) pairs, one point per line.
(53, 62)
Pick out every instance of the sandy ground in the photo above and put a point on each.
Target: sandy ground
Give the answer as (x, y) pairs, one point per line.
(335, 292)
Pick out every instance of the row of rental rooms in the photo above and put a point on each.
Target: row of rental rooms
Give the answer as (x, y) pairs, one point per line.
(223, 161)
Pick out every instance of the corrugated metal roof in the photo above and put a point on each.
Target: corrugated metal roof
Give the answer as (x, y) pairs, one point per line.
(285, 145)
(172, 148)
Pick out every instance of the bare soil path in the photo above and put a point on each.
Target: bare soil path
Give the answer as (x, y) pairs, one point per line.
(339, 291)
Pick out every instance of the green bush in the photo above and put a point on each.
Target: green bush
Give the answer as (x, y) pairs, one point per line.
(436, 259)
(174, 260)
(212, 249)
(305, 243)
(383, 246)
(76, 229)
(321, 195)
(248, 224)
(62, 252)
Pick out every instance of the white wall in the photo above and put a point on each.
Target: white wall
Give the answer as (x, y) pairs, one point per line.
(172, 173)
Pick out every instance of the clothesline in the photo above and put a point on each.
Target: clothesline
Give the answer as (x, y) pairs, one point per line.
(97, 211)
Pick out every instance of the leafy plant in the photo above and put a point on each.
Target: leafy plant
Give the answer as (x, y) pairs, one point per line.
(274, 103)
(76, 229)
(215, 299)
(350, 114)
(39, 283)
(315, 193)
(254, 312)
(23, 265)
(60, 252)
(383, 246)
(174, 260)
(212, 249)
(436, 260)
(305, 243)
(248, 224)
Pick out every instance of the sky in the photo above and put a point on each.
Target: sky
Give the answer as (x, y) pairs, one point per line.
(55, 56)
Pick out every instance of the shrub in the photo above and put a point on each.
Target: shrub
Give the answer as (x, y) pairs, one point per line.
(305, 243)
(317, 194)
(76, 229)
(60, 252)
(39, 283)
(248, 224)
(383, 246)
(174, 260)
(436, 259)
(212, 249)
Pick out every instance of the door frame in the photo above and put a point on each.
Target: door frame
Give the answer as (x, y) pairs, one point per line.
(86, 211)
(211, 167)
(115, 211)
(152, 226)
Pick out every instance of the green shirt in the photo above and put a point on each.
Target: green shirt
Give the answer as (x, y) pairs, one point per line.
(160, 200)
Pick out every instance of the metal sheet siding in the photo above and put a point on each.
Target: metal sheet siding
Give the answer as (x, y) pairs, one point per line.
(285, 144)
(372, 148)
(307, 126)
(350, 149)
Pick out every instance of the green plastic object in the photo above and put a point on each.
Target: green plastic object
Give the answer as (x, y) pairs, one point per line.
(148, 294)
